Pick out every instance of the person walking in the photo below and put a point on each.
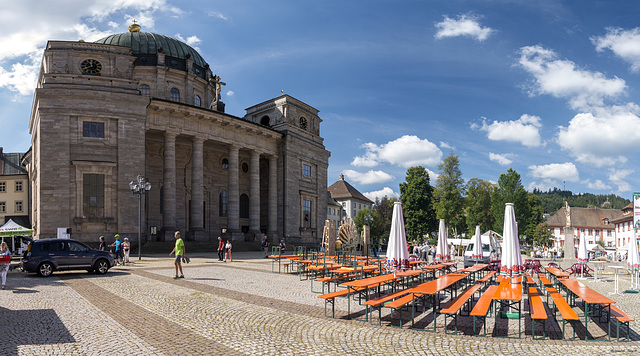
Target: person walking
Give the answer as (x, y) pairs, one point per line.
(126, 247)
(220, 249)
(118, 245)
(4, 266)
(265, 247)
(103, 244)
(227, 250)
(180, 252)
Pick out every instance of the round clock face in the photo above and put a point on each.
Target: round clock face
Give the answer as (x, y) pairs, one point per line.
(91, 66)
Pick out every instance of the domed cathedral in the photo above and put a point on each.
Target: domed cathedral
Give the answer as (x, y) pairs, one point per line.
(146, 104)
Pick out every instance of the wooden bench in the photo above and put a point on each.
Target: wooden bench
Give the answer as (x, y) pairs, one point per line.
(564, 308)
(399, 304)
(621, 318)
(329, 280)
(379, 302)
(456, 305)
(482, 307)
(537, 311)
(330, 298)
(544, 282)
(487, 277)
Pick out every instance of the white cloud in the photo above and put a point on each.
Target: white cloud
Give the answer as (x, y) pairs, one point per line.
(562, 79)
(623, 43)
(463, 25)
(501, 159)
(563, 171)
(446, 145)
(386, 191)
(192, 41)
(371, 177)
(21, 46)
(525, 130)
(597, 185)
(603, 138)
(231, 93)
(218, 15)
(617, 176)
(406, 151)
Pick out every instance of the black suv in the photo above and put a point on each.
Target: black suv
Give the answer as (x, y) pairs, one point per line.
(48, 255)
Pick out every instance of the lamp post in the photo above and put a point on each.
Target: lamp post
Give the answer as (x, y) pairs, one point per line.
(140, 187)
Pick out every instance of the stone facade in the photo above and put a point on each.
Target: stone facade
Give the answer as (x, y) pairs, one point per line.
(105, 113)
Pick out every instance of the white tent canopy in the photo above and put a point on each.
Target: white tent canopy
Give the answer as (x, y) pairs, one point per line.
(11, 228)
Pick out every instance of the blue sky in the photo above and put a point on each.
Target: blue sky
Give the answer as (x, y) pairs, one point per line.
(548, 88)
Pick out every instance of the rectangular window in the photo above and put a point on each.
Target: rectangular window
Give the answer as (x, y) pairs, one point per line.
(3, 187)
(3, 207)
(93, 129)
(306, 212)
(18, 206)
(608, 233)
(306, 170)
(93, 195)
(19, 186)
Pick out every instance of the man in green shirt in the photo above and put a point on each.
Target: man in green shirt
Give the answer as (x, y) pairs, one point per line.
(180, 252)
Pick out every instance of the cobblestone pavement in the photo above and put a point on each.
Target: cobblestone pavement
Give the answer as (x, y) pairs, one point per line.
(242, 308)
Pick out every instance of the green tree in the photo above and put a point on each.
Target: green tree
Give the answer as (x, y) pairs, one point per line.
(478, 205)
(509, 190)
(534, 218)
(449, 192)
(384, 209)
(361, 220)
(416, 195)
(542, 236)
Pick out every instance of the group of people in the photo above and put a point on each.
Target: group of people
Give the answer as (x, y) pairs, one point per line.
(422, 251)
(122, 249)
(224, 250)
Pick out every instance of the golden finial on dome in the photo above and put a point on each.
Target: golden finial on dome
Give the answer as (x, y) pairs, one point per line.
(134, 27)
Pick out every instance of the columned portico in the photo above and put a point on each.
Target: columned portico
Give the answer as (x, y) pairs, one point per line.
(169, 185)
(254, 190)
(197, 189)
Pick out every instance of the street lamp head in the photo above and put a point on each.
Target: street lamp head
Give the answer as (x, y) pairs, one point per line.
(147, 186)
(140, 179)
(132, 186)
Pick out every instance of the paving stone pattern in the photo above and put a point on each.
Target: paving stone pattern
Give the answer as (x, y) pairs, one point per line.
(242, 308)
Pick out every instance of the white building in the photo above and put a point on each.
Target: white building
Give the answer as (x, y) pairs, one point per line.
(350, 198)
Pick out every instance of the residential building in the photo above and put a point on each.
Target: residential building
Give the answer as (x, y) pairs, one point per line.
(14, 189)
(595, 224)
(350, 198)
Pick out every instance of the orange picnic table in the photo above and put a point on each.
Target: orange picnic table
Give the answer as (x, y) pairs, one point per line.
(590, 297)
(509, 295)
(432, 289)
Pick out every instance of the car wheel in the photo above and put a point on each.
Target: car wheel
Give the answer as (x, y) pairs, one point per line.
(102, 266)
(45, 269)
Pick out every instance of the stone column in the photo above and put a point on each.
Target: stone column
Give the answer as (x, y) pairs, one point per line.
(233, 211)
(273, 195)
(254, 193)
(169, 186)
(197, 189)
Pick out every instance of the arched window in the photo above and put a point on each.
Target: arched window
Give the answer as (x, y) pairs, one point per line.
(303, 123)
(265, 121)
(175, 94)
(244, 206)
(145, 90)
(225, 163)
(223, 203)
(196, 101)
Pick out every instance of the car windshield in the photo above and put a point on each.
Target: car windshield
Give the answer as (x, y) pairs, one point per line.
(485, 247)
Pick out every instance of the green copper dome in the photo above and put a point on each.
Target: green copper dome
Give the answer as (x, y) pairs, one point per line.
(147, 44)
